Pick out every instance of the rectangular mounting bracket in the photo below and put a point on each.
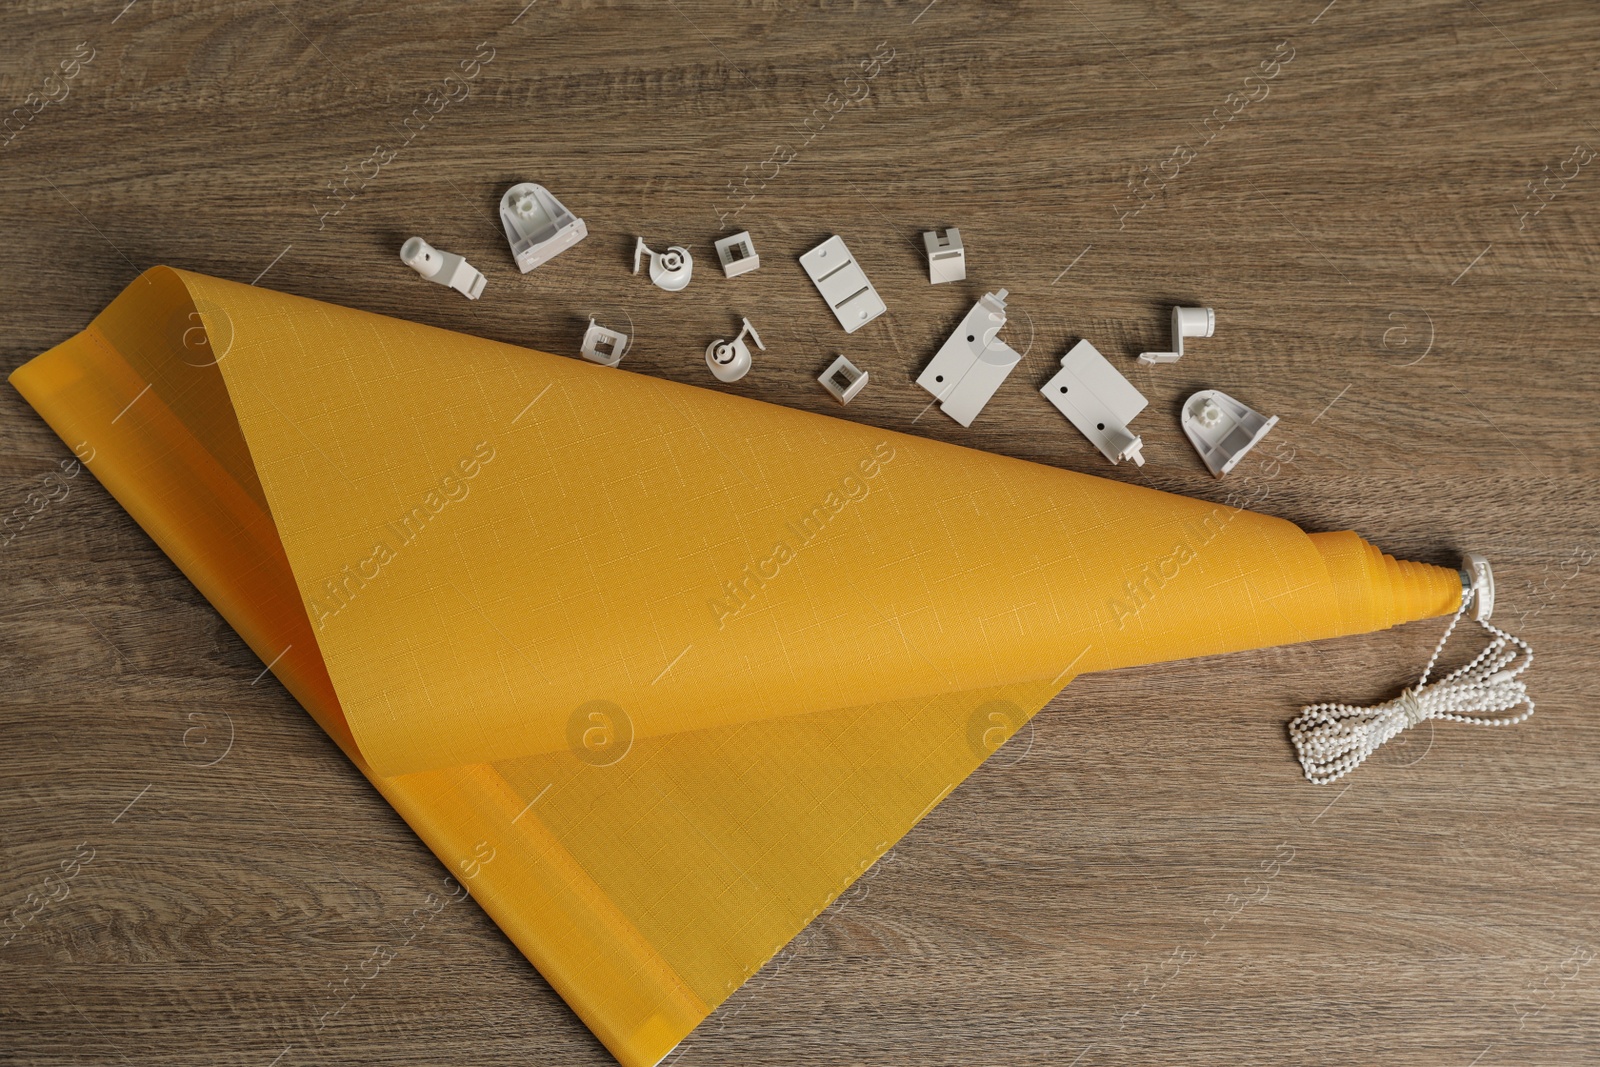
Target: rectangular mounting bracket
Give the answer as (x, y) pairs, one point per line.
(843, 284)
(972, 362)
(1099, 401)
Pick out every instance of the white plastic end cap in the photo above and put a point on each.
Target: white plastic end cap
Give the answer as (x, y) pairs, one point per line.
(1477, 581)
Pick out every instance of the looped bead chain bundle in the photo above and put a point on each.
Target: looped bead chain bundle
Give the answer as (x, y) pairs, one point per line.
(1333, 739)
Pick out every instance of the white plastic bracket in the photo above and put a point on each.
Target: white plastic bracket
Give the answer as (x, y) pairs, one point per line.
(1223, 429)
(603, 346)
(446, 268)
(537, 225)
(730, 360)
(972, 362)
(1099, 401)
(1186, 322)
(1477, 580)
(737, 254)
(843, 379)
(947, 257)
(843, 284)
(670, 270)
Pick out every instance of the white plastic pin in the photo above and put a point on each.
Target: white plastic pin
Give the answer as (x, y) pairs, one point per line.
(730, 360)
(972, 362)
(603, 346)
(1222, 429)
(670, 270)
(537, 225)
(947, 257)
(737, 254)
(1186, 322)
(446, 268)
(842, 284)
(1099, 401)
(843, 379)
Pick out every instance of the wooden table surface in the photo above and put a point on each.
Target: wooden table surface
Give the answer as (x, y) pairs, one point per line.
(1395, 212)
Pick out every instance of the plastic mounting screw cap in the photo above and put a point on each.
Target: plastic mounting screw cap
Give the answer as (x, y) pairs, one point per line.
(730, 360)
(671, 270)
(1477, 580)
(1186, 322)
(446, 268)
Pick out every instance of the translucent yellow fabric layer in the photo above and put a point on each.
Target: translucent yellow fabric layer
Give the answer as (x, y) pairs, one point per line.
(659, 670)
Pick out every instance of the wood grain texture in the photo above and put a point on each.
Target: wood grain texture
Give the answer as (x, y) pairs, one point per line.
(1430, 352)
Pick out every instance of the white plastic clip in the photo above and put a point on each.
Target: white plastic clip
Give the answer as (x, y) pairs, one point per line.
(1186, 322)
(446, 268)
(1222, 429)
(1099, 401)
(670, 270)
(737, 254)
(603, 346)
(730, 360)
(842, 284)
(947, 257)
(972, 362)
(537, 225)
(1477, 580)
(844, 380)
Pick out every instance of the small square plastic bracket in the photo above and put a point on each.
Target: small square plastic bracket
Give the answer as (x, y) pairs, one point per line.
(737, 254)
(1099, 401)
(1223, 429)
(843, 284)
(972, 362)
(844, 380)
(538, 227)
(446, 268)
(603, 346)
(947, 257)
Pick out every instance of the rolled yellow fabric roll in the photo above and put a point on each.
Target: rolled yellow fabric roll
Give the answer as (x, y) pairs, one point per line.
(657, 670)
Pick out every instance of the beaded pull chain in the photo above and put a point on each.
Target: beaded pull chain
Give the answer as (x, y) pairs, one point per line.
(1333, 739)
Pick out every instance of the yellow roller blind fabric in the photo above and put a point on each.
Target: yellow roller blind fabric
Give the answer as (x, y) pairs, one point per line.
(684, 665)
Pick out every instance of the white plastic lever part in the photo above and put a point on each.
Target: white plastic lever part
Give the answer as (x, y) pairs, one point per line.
(1186, 322)
(843, 284)
(670, 270)
(730, 360)
(972, 362)
(1099, 401)
(737, 254)
(947, 257)
(1222, 429)
(1477, 580)
(538, 227)
(603, 346)
(843, 379)
(446, 268)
